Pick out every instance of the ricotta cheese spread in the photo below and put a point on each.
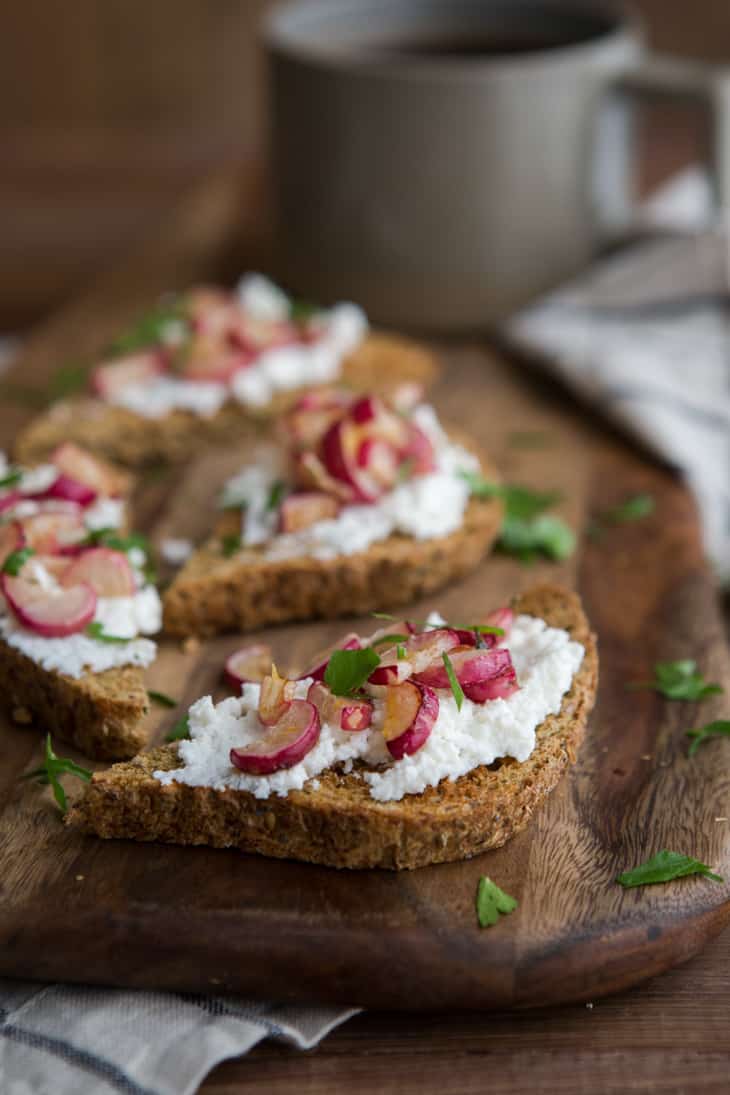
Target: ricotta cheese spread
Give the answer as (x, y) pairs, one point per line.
(126, 617)
(422, 507)
(159, 397)
(545, 659)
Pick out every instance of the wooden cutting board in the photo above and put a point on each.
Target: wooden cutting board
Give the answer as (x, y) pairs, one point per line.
(74, 908)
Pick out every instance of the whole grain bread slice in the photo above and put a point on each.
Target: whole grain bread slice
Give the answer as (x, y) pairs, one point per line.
(214, 594)
(380, 364)
(100, 713)
(338, 824)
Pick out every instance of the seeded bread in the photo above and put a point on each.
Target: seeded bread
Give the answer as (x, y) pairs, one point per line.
(214, 594)
(99, 713)
(380, 364)
(339, 824)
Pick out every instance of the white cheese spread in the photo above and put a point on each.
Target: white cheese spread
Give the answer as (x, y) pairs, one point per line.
(104, 513)
(545, 659)
(422, 507)
(176, 551)
(165, 394)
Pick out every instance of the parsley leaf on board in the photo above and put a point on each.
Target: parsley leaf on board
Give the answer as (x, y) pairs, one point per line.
(720, 728)
(347, 670)
(679, 680)
(492, 903)
(633, 509)
(16, 560)
(527, 531)
(455, 686)
(95, 630)
(180, 730)
(665, 866)
(161, 699)
(52, 768)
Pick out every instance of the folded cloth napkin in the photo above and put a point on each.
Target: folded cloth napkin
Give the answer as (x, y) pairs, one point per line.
(75, 1040)
(644, 337)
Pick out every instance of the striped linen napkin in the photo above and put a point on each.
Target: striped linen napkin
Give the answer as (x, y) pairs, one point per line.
(644, 337)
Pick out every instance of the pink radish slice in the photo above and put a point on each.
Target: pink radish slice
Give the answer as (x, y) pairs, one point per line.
(419, 451)
(501, 617)
(52, 530)
(347, 714)
(469, 638)
(257, 335)
(51, 613)
(317, 671)
(7, 501)
(112, 377)
(211, 311)
(470, 666)
(80, 465)
(248, 665)
(284, 744)
(499, 687)
(340, 447)
(210, 359)
(411, 711)
(11, 539)
(69, 490)
(305, 428)
(380, 460)
(420, 651)
(311, 474)
(107, 572)
(407, 396)
(366, 409)
(356, 716)
(276, 696)
(321, 399)
(305, 508)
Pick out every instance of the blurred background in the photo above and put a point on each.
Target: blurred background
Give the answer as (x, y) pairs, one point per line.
(110, 111)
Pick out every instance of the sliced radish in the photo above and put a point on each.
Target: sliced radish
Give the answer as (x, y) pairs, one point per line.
(310, 473)
(321, 399)
(411, 711)
(52, 613)
(407, 396)
(277, 693)
(419, 652)
(69, 490)
(471, 665)
(112, 377)
(347, 714)
(340, 446)
(366, 409)
(210, 311)
(108, 572)
(501, 617)
(209, 359)
(371, 413)
(300, 510)
(419, 451)
(256, 335)
(54, 530)
(499, 687)
(317, 671)
(248, 665)
(10, 499)
(81, 466)
(380, 460)
(285, 743)
(11, 539)
(305, 427)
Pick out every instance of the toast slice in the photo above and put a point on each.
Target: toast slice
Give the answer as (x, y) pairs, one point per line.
(214, 594)
(339, 824)
(381, 363)
(99, 713)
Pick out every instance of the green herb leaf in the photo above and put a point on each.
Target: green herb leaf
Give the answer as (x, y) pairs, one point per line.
(492, 903)
(95, 630)
(664, 867)
(543, 535)
(679, 680)
(52, 768)
(347, 670)
(230, 544)
(390, 640)
(68, 379)
(633, 509)
(149, 329)
(180, 730)
(276, 494)
(11, 478)
(406, 469)
(302, 310)
(455, 686)
(112, 538)
(161, 698)
(16, 560)
(720, 728)
(400, 652)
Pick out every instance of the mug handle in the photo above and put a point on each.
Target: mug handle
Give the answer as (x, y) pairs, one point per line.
(678, 80)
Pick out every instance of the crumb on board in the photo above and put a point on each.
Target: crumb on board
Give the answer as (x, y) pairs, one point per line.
(191, 645)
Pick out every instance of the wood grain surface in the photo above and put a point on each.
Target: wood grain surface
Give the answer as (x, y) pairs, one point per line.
(74, 908)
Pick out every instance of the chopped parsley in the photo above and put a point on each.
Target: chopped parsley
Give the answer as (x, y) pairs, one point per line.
(720, 728)
(16, 560)
(180, 730)
(633, 509)
(665, 867)
(52, 768)
(527, 531)
(390, 640)
(492, 903)
(11, 478)
(149, 329)
(679, 680)
(230, 544)
(301, 311)
(455, 686)
(347, 670)
(400, 652)
(161, 699)
(95, 630)
(276, 495)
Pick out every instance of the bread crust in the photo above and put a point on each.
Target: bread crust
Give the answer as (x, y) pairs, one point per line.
(339, 824)
(99, 713)
(380, 363)
(212, 594)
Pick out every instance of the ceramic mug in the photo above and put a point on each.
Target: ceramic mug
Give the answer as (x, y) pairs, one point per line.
(443, 161)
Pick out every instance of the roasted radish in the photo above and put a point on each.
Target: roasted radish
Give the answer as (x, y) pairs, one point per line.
(284, 744)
